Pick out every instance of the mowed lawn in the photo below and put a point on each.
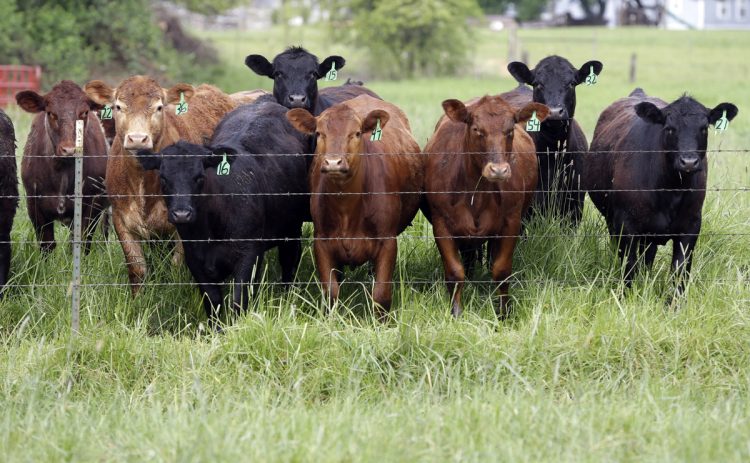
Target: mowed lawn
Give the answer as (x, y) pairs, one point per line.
(583, 371)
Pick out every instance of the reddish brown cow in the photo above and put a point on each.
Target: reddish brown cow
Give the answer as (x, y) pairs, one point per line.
(145, 119)
(483, 152)
(47, 168)
(354, 221)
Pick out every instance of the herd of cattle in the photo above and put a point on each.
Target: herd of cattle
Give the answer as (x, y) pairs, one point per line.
(235, 175)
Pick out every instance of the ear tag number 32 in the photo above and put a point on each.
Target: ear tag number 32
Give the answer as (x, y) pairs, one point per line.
(182, 106)
(377, 134)
(332, 74)
(722, 124)
(591, 78)
(223, 167)
(532, 125)
(106, 112)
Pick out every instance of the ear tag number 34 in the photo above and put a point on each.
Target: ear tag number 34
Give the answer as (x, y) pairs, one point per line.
(106, 113)
(182, 106)
(722, 124)
(377, 134)
(223, 167)
(332, 74)
(532, 125)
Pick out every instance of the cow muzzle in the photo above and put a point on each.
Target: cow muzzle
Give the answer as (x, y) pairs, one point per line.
(185, 215)
(334, 165)
(66, 150)
(688, 163)
(138, 141)
(496, 171)
(557, 113)
(297, 101)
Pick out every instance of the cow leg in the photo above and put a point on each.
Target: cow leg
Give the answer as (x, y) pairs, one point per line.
(134, 259)
(327, 273)
(649, 252)
(290, 253)
(44, 229)
(385, 263)
(243, 276)
(628, 251)
(454, 270)
(5, 251)
(178, 255)
(87, 220)
(502, 264)
(682, 259)
(573, 195)
(212, 299)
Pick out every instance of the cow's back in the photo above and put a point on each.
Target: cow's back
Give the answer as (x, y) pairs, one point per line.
(330, 96)
(206, 109)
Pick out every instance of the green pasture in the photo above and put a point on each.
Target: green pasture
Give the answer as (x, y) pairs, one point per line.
(583, 371)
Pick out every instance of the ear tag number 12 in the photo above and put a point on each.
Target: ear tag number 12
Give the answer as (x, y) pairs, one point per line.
(223, 167)
(377, 134)
(106, 113)
(332, 74)
(591, 78)
(182, 106)
(722, 124)
(533, 124)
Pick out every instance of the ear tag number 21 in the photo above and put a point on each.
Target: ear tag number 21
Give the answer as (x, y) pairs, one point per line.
(533, 124)
(722, 124)
(182, 106)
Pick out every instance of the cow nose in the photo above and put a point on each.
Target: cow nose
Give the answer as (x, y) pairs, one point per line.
(497, 171)
(557, 113)
(297, 100)
(67, 150)
(181, 215)
(334, 164)
(138, 140)
(689, 163)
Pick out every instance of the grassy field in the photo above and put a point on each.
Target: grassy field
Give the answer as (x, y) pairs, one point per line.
(582, 372)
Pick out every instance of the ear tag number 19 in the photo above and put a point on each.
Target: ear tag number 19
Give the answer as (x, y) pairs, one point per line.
(332, 74)
(377, 134)
(223, 167)
(591, 78)
(106, 113)
(182, 106)
(533, 124)
(722, 124)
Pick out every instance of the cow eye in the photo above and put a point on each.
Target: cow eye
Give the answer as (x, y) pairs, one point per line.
(278, 74)
(358, 134)
(669, 131)
(540, 86)
(159, 108)
(199, 180)
(118, 108)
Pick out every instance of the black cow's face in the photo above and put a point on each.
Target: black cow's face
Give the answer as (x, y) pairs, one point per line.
(684, 135)
(182, 175)
(554, 81)
(295, 74)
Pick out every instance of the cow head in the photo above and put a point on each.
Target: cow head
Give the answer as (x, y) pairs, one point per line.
(138, 106)
(62, 106)
(490, 129)
(182, 175)
(554, 81)
(684, 129)
(295, 74)
(340, 137)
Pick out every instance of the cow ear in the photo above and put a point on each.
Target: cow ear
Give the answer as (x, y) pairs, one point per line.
(325, 66)
(259, 65)
(302, 120)
(148, 159)
(173, 94)
(649, 113)
(456, 111)
(521, 72)
(371, 121)
(716, 113)
(586, 69)
(525, 113)
(30, 101)
(100, 92)
(216, 155)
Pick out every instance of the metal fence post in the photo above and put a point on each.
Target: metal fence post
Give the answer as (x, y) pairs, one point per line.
(77, 205)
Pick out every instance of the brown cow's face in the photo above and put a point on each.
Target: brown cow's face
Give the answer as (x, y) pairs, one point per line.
(490, 129)
(62, 106)
(138, 105)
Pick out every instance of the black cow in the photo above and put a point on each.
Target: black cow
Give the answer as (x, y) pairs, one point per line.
(295, 73)
(206, 206)
(8, 193)
(646, 173)
(560, 142)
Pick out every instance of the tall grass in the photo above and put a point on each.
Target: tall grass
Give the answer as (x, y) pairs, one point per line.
(583, 371)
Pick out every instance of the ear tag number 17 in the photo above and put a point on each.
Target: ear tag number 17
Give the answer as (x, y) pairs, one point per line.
(722, 124)
(332, 74)
(223, 167)
(182, 106)
(377, 134)
(591, 78)
(106, 113)
(533, 124)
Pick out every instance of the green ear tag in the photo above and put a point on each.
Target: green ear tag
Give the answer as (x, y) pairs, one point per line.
(377, 134)
(722, 124)
(182, 106)
(106, 112)
(533, 124)
(332, 74)
(223, 167)
(591, 78)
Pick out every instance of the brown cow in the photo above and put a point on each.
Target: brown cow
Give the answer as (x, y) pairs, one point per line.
(361, 224)
(47, 168)
(482, 152)
(145, 119)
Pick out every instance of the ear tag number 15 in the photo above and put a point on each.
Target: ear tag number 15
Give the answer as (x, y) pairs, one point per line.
(722, 124)
(106, 113)
(223, 167)
(182, 106)
(377, 134)
(591, 78)
(533, 124)
(332, 74)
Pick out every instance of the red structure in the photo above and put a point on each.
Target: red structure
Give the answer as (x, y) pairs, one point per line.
(14, 78)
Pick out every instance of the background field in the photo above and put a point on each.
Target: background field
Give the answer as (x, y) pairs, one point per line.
(582, 372)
